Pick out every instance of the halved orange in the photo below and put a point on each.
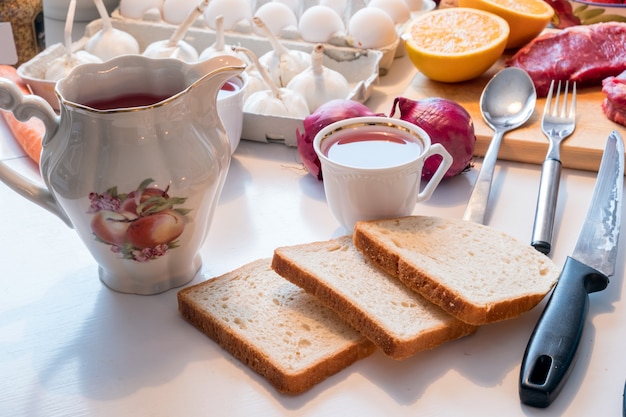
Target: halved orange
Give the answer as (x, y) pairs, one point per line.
(526, 18)
(455, 44)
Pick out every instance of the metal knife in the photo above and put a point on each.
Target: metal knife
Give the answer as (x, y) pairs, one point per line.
(552, 348)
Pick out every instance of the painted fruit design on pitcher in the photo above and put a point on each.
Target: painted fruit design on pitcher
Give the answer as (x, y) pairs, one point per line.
(140, 225)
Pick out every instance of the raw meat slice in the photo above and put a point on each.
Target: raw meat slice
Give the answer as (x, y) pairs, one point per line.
(585, 54)
(614, 105)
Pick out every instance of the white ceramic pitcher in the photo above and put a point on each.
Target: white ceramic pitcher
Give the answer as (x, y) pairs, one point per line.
(139, 181)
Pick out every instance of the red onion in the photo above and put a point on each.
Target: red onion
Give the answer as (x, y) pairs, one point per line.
(325, 114)
(447, 123)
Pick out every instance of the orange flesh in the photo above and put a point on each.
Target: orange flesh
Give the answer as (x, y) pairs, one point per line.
(455, 33)
(529, 7)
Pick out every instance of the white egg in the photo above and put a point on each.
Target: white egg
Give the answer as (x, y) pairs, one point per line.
(398, 10)
(234, 11)
(319, 23)
(337, 5)
(415, 5)
(175, 11)
(292, 4)
(135, 9)
(276, 16)
(371, 28)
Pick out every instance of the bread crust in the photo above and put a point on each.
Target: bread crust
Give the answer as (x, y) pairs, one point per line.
(417, 281)
(284, 380)
(420, 281)
(458, 306)
(392, 345)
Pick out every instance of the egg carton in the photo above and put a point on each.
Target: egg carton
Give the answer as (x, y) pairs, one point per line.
(359, 67)
(243, 30)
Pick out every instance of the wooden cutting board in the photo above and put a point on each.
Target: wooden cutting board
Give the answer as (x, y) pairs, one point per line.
(582, 150)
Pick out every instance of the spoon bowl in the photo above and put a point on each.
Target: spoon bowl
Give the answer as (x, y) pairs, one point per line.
(506, 103)
(508, 100)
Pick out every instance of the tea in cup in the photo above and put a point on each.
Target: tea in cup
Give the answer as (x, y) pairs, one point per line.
(372, 167)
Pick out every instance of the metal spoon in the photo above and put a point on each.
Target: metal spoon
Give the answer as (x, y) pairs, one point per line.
(506, 103)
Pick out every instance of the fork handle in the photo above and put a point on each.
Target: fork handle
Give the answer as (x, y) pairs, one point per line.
(546, 205)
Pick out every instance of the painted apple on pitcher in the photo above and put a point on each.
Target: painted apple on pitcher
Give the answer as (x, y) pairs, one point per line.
(140, 225)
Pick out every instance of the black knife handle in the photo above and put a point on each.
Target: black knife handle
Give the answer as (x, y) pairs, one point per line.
(552, 347)
(624, 402)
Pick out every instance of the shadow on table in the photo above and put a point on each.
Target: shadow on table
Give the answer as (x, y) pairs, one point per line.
(126, 343)
(484, 359)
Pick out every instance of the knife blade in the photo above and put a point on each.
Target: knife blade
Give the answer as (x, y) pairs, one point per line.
(551, 350)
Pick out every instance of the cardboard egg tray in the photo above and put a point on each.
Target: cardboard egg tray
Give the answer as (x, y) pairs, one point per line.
(359, 67)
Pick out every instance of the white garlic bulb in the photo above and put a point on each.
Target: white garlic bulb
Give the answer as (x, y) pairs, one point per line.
(218, 47)
(110, 42)
(273, 101)
(281, 64)
(175, 46)
(287, 104)
(319, 84)
(61, 66)
(165, 49)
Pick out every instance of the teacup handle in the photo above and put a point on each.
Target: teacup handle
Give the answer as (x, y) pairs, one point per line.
(23, 108)
(435, 149)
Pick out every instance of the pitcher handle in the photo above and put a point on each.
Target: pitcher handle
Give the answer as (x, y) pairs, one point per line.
(446, 163)
(23, 108)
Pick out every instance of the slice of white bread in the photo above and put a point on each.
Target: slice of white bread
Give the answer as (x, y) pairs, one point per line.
(474, 272)
(273, 326)
(379, 306)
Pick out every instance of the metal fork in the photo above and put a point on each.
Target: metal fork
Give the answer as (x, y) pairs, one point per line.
(556, 125)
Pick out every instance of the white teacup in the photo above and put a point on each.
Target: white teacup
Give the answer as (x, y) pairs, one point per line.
(372, 167)
(230, 107)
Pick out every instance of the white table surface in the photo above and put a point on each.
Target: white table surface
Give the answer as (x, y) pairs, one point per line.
(71, 347)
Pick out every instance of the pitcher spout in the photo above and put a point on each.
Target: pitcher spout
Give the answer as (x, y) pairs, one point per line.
(203, 97)
(219, 69)
(206, 78)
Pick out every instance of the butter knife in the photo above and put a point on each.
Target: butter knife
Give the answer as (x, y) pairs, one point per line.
(551, 350)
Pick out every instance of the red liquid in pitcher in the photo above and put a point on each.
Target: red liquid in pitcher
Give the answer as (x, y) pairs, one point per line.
(126, 101)
(372, 149)
(144, 99)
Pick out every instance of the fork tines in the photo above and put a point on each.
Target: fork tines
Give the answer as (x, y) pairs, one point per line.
(555, 108)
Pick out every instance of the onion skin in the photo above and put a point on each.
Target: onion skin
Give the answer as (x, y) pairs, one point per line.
(447, 123)
(329, 112)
